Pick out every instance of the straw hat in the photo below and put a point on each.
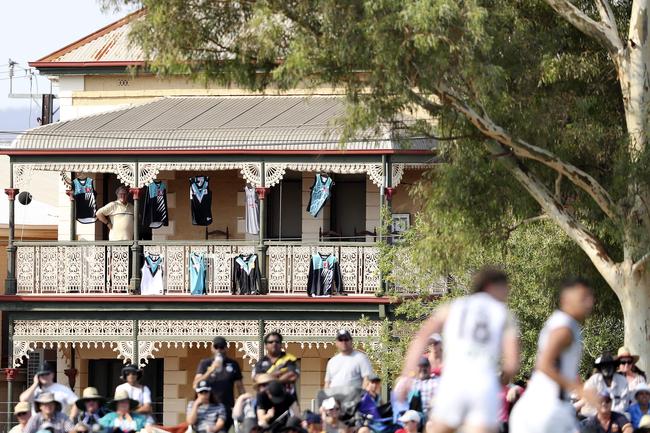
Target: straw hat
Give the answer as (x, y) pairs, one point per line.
(89, 393)
(23, 406)
(44, 398)
(624, 352)
(122, 395)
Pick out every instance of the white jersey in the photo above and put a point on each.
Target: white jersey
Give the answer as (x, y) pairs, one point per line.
(473, 335)
(568, 361)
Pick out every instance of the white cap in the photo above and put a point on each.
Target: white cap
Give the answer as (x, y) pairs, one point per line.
(435, 338)
(329, 403)
(410, 415)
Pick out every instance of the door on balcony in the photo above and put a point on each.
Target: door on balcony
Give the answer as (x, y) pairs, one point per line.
(104, 374)
(348, 212)
(284, 212)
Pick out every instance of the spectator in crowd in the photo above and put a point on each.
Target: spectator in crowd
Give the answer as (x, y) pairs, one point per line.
(223, 375)
(435, 354)
(278, 363)
(293, 425)
(642, 405)
(81, 427)
(605, 420)
(118, 216)
(22, 412)
(205, 414)
(131, 375)
(644, 425)
(245, 411)
(331, 413)
(313, 422)
(349, 367)
(410, 421)
(275, 406)
(123, 416)
(44, 382)
(370, 403)
(48, 410)
(627, 367)
(425, 385)
(606, 379)
(91, 407)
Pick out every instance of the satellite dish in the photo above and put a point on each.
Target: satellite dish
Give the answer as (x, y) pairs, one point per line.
(24, 198)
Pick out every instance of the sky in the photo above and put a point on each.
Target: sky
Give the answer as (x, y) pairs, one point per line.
(31, 29)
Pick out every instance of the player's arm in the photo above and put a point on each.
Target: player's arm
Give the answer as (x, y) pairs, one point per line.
(511, 351)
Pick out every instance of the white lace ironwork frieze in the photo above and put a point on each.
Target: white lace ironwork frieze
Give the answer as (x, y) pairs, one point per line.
(317, 333)
(250, 171)
(125, 171)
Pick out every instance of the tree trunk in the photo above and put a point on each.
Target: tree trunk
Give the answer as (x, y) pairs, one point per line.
(634, 295)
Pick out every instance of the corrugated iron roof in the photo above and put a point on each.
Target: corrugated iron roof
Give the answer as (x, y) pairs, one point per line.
(223, 123)
(108, 44)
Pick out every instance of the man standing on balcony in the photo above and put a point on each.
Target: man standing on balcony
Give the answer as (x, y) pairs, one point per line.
(349, 367)
(118, 216)
(222, 375)
(44, 383)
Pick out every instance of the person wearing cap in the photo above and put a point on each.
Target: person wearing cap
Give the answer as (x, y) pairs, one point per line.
(244, 413)
(48, 410)
(283, 366)
(435, 353)
(410, 421)
(91, 407)
(123, 416)
(81, 427)
(313, 422)
(642, 406)
(131, 376)
(644, 425)
(222, 374)
(349, 367)
(606, 379)
(331, 413)
(628, 368)
(44, 382)
(275, 405)
(205, 414)
(605, 420)
(425, 385)
(22, 412)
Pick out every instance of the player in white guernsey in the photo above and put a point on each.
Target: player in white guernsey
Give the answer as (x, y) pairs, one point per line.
(545, 406)
(480, 340)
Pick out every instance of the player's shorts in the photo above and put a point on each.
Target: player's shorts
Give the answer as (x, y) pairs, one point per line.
(541, 413)
(467, 401)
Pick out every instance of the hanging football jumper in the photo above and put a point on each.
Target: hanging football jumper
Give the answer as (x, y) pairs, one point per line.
(197, 274)
(152, 275)
(246, 277)
(83, 192)
(201, 201)
(320, 192)
(324, 276)
(154, 214)
(252, 211)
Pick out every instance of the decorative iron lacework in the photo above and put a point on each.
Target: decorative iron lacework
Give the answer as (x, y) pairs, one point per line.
(125, 171)
(322, 332)
(251, 171)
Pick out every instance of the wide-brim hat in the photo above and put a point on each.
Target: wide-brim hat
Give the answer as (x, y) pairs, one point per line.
(45, 398)
(131, 368)
(122, 395)
(22, 406)
(624, 352)
(642, 387)
(45, 368)
(90, 393)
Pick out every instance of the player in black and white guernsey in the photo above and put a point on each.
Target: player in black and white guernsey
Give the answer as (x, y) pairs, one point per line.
(546, 406)
(481, 344)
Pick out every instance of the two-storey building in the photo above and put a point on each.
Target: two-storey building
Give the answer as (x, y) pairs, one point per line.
(80, 300)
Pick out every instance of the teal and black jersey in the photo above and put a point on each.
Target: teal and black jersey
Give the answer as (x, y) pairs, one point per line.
(320, 192)
(324, 275)
(201, 200)
(83, 192)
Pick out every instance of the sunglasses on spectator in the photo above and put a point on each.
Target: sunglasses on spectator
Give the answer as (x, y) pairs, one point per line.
(344, 339)
(626, 361)
(273, 342)
(21, 414)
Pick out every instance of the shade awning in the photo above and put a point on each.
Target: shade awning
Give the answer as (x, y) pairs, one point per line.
(207, 123)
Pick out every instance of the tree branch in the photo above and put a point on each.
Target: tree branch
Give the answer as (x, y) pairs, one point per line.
(605, 33)
(558, 188)
(525, 150)
(527, 221)
(641, 263)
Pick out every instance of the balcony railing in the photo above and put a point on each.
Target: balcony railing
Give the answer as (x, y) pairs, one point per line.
(104, 267)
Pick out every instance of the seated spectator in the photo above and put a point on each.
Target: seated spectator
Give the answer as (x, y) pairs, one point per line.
(48, 410)
(628, 368)
(22, 412)
(425, 385)
(275, 406)
(81, 427)
(606, 379)
(411, 422)
(349, 367)
(44, 382)
(331, 410)
(313, 422)
(245, 411)
(123, 417)
(435, 354)
(91, 407)
(205, 414)
(642, 405)
(131, 375)
(605, 420)
(293, 425)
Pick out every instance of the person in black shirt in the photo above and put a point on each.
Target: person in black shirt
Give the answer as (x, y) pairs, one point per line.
(222, 374)
(606, 421)
(281, 365)
(275, 406)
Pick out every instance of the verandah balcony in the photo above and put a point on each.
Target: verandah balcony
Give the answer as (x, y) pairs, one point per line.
(103, 267)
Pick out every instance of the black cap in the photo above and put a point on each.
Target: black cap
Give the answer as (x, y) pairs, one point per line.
(343, 334)
(45, 368)
(131, 368)
(605, 359)
(374, 378)
(276, 391)
(219, 343)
